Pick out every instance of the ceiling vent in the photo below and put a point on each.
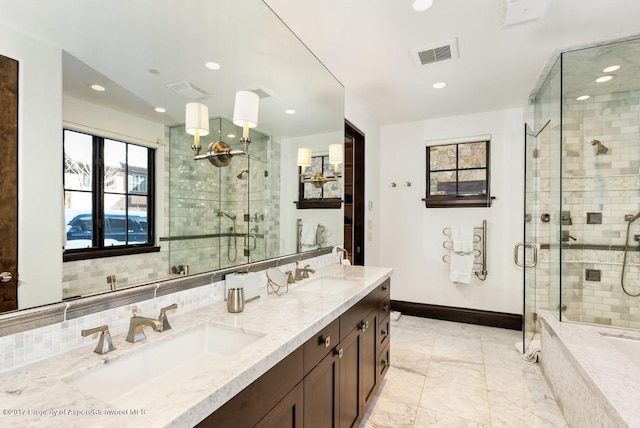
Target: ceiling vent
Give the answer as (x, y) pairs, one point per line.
(263, 92)
(435, 53)
(188, 90)
(516, 12)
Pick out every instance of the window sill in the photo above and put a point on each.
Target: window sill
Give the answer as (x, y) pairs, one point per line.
(480, 201)
(86, 254)
(327, 203)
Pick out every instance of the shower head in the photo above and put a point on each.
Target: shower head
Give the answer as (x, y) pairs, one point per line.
(224, 214)
(600, 148)
(243, 174)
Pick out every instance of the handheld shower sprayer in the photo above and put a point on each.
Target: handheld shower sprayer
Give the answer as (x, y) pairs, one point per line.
(224, 214)
(634, 218)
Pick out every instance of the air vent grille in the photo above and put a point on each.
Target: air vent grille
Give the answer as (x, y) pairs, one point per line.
(435, 53)
(188, 90)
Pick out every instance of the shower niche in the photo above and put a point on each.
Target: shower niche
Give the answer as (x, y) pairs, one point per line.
(583, 158)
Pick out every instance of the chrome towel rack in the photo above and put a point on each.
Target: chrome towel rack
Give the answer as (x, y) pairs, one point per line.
(320, 235)
(480, 255)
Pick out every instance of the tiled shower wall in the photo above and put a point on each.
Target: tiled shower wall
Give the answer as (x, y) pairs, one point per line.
(609, 185)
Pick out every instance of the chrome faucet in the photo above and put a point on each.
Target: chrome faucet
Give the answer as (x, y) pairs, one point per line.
(137, 325)
(104, 343)
(303, 273)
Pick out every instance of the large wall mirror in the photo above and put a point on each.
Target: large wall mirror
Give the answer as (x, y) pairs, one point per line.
(152, 58)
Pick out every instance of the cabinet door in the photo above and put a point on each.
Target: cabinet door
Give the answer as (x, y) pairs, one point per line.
(287, 413)
(369, 357)
(322, 392)
(350, 385)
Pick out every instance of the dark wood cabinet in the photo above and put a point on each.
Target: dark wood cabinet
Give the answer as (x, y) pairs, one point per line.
(287, 413)
(322, 392)
(328, 382)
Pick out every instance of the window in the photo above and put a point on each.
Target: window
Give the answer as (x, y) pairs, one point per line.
(322, 186)
(108, 197)
(458, 175)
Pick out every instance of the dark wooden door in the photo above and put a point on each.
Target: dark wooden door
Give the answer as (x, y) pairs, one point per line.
(322, 393)
(8, 183)
(354, 200)
(350, 385)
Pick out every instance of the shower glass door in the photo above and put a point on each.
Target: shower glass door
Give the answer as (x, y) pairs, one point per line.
(529, 253)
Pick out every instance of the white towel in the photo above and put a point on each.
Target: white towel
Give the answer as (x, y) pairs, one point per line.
(461, 256)
(308, 238)
(460, 267)
(462, 239)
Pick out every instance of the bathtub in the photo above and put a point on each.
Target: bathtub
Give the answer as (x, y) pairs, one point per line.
(593, 371)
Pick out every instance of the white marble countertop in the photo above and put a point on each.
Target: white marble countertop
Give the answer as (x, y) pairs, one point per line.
(38, 395)
(615, 375)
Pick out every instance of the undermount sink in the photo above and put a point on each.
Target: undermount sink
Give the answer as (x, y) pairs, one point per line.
(154, 370)
(328, 285)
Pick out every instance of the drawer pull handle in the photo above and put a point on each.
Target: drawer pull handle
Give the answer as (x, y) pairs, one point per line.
(326, 341)
(385, 307)
(383, 332)
(385, 288)
(364, 325)
(339, 352)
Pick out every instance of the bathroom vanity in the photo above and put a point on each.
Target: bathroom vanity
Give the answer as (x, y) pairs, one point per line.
(316, 352)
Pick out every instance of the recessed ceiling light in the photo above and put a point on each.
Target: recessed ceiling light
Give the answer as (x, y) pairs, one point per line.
(290, 111)
(583, 97)
(160, 110)
(421, 5)
(439, 85)
(606, 78)
(212, 65)
(98, 88)
(231, 135)
(611, 69)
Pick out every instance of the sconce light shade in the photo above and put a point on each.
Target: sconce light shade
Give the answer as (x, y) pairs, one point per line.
(245, 111)
(335, 154)
(304, 156)
(197, 119)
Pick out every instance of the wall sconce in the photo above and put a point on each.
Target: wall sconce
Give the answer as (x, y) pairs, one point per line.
(245, 114)
(197, 124)
(317, 179)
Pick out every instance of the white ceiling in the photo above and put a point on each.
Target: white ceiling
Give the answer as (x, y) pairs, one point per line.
(367, 43)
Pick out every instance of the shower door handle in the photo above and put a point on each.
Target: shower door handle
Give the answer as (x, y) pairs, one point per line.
(524, 246)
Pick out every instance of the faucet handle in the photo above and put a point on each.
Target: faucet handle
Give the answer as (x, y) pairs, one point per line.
(163, 316)
(104, 343)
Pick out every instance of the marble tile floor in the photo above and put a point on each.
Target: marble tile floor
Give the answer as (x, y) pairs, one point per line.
(446, 374)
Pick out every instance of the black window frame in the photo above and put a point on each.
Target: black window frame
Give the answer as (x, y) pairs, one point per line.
(98, 249)
(459, 200)
(321, 202)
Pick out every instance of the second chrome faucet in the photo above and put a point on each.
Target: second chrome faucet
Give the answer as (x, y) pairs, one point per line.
(137, 324)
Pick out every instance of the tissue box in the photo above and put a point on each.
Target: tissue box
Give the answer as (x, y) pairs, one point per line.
(249, 281)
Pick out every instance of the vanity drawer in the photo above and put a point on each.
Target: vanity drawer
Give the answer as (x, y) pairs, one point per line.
(384, 362)
(357, 314)
(384, 308)
(316, 348)
(383, 332)
(384, 289)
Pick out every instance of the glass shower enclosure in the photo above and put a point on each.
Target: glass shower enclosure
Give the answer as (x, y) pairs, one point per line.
(582, 190)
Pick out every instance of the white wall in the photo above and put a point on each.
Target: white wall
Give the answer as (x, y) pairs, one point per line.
(39, 160)
(411, 235)
(357, 113)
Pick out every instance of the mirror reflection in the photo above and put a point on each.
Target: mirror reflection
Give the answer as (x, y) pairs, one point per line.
(111, 107)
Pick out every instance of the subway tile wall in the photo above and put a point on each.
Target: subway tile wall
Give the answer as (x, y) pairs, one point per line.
(608, 184)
